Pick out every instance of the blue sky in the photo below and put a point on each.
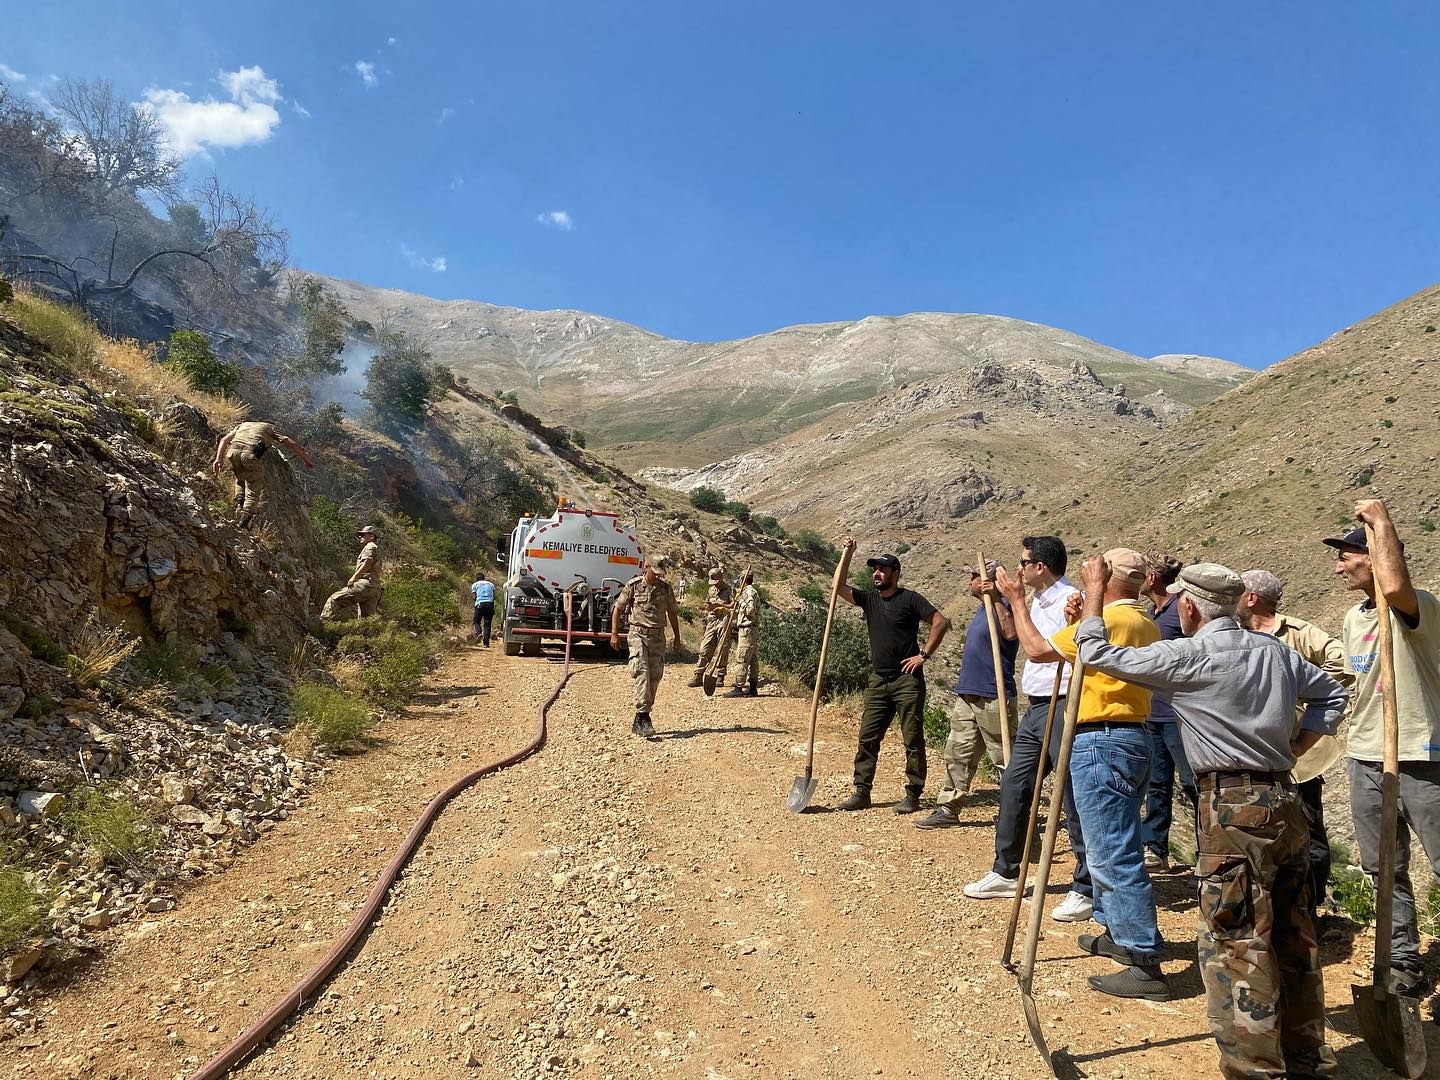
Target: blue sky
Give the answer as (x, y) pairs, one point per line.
(1234, 179)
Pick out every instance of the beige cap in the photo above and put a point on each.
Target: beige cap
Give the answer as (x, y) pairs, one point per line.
(1210, 581)
(368, 529)
(991, 565)
(716, 573)
(1126, 564)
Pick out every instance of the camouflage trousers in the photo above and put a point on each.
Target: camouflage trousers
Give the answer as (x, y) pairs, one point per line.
(647, 665)
(249, 478)
(353, 601)
(1257, 949)
(747, 660)
(714, 641)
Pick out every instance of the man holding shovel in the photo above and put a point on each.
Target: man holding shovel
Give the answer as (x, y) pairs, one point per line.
(1234, 693)
(716, 638)
(1416, 644)
(977, 714)
(896, 690)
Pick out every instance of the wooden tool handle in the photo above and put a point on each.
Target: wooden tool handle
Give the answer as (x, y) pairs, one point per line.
(723, 647)
(820, 669)
(1390, 778)
(994, 624)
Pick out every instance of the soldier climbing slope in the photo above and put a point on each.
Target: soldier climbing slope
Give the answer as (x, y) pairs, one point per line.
(650, 601)
(362, 592)
(243, 447)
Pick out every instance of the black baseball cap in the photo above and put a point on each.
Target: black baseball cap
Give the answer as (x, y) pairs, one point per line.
(1354, 540)
(883, 562)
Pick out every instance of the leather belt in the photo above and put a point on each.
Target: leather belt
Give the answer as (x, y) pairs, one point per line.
(1242, 778)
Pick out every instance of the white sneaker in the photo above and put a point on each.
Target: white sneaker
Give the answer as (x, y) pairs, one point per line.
(1155, 862)
(992, 887)
(1074, 908)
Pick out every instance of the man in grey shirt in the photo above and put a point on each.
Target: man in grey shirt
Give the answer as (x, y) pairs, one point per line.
(1234, 693)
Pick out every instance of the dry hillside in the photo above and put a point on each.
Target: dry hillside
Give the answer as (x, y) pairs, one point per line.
(649, 399)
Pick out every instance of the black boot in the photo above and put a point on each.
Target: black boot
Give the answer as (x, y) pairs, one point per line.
(753, 691)
(908, 805)
(859, 800)
(736, 691)
(642, 726)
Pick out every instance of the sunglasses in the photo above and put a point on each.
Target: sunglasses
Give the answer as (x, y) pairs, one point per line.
(1029, 562)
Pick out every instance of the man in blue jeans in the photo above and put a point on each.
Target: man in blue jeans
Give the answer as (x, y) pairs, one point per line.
(1109, 766)
(1167, 752)
(484, 593)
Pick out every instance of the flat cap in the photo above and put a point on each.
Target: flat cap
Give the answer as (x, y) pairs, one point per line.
(1126, 564)
(884, 562)
(1209, 581)
(716, 573)
(991, 565)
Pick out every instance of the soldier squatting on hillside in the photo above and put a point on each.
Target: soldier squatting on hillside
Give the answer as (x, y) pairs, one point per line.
(361, 594)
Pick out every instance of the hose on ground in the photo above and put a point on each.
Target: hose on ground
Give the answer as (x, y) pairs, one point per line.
(240, 1047)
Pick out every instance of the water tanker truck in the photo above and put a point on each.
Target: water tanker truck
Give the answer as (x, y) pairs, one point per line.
(587, 552)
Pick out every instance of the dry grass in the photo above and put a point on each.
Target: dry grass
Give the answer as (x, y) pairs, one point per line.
(66, 332)
(98, 650)
(131, 368)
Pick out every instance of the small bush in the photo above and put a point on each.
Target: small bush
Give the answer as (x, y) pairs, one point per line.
(418, 604)
(1354, 894)
(98, 651)
(812, 543)
(7, 291)
(1427, 525)
(862, 578)
(1387, 423)
(1430, 911)
(577, 438)
(811, 593)
(35, 639)
(901, 548)
(711, 500)
(438, 547)
(738, 510)
(769, 526)
(790, 643)
(1363, 477)
(110, 824)
(328, 714)
(23, 907)
(173, 659)
(189, 353)
(131, 369)
(394, 673)
(937, 724)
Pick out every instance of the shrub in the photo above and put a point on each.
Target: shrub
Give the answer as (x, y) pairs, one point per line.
(937, 724)
(738, 510)
(173, 659)
(1427, 525)
(98, 651)
(901, 548)
(1363, 477)
(769, 526)
(334, 530)
(35, 639)
(811, 593)
(190, 354)
(7, 291)
(790, 643)
(813, 544)
(328, 714)
(130, 368)
(1354, 894)
(395, 671)
(709, 499)
(438, 547)
(577, 438)
(110, 824)
(862, 578)
(416, 603)
(23, 907)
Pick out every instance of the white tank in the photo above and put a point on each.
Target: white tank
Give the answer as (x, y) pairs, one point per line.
(576, 545)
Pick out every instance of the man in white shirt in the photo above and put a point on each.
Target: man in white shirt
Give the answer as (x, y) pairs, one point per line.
(1042, 567)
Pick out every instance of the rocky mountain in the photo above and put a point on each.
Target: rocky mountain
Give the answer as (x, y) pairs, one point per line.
(642, 397)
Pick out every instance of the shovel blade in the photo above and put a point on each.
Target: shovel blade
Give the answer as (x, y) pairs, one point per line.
(1032, 1020)
(709, 683)
(800, 792)
(1392, 1029)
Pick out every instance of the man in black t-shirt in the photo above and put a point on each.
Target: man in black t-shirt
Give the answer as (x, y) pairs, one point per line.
(897, 680)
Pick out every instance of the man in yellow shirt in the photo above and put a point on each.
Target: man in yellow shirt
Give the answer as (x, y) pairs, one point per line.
(1109, 768)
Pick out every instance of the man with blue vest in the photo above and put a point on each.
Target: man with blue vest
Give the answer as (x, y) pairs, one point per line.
(976, 715)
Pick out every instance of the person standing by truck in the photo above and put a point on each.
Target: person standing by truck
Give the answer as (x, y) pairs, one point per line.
(650, 602)
(716, 640)
(484, 592)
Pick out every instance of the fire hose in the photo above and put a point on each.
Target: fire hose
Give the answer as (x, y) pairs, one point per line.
(240, 1047)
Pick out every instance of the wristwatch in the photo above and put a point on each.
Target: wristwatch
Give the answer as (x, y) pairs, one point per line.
(924, 655)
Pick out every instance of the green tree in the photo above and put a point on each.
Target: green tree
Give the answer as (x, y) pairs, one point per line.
(399, 384)
(498, 486)
(790, 642)
(188, 224)
(709, 499)
(324, 321)
(738, 510)
(189, 353)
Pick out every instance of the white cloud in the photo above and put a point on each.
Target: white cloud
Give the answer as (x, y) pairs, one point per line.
(9, 74)
(456, 182)
(437, 265)
(300, 110)
(556, 219)
(192, 126)
(366, 70)
(445, 114)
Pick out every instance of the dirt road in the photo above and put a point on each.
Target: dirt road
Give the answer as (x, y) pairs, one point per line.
(621, 908)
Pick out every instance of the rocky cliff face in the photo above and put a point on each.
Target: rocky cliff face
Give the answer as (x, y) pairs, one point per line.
(92, 518)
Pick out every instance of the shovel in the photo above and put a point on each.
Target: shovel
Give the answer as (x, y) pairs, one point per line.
(1026, 973)
(1005, 958)
(1389, 1022)
(804, 786)
(989, 602)
(713, 674)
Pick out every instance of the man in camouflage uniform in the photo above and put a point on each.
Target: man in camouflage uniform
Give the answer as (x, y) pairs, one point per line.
(650, 601)
(746, 679)
(243, 447)
(362, 592)
(1234, 693)
(716, 640)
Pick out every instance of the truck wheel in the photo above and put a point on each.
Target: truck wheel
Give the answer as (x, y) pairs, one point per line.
(512, 648)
